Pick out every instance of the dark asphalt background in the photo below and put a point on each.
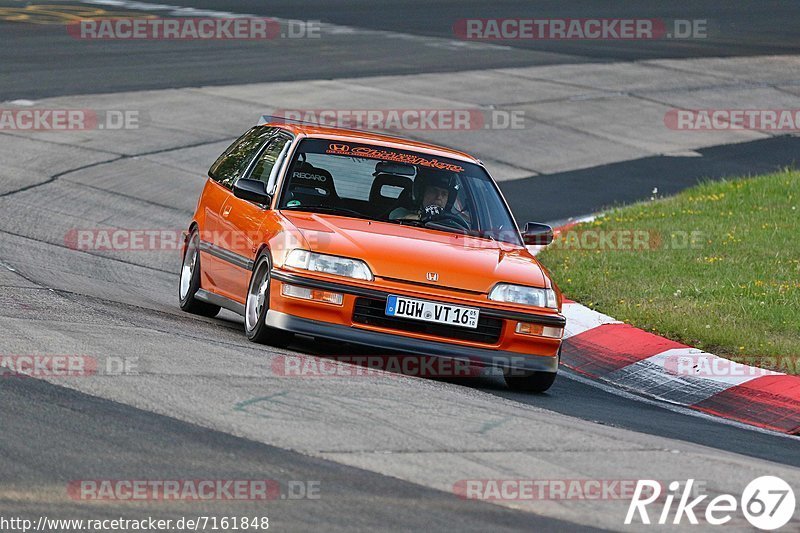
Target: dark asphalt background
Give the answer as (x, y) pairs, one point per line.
(544, 198)
(40, 61)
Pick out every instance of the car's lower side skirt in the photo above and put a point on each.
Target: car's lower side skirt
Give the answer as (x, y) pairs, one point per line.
(213, 298)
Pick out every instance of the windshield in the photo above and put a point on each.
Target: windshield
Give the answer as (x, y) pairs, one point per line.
(397, 186)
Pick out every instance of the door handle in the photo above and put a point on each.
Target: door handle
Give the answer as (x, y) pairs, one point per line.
(226, 210)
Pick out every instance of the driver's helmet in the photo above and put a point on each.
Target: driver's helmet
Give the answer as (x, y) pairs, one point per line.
(428, 177)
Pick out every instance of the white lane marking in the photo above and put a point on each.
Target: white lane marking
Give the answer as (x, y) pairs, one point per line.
(180, 11)
(325, 28)
(580, 318)
(585, 218)
(558, 225)
(675, 408)
(682, 153)
(571, 221)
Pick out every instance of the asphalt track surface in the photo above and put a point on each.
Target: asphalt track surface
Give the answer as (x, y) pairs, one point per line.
(78, 437)
(407, 37)
(52, 434)
(634, 180)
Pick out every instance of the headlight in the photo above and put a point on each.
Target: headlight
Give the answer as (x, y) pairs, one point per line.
(329, 264)
(517, 294)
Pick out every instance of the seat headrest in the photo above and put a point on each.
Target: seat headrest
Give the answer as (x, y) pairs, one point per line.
(392, 180)
(306, 175)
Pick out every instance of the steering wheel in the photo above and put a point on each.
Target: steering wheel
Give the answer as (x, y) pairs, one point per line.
(457, 220)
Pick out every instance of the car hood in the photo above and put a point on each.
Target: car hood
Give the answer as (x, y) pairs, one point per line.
(408, 253)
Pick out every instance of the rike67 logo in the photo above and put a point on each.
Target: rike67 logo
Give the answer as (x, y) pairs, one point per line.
(767, 503)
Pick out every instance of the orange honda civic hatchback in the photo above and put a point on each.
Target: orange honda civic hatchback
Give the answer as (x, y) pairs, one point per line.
(373, 240)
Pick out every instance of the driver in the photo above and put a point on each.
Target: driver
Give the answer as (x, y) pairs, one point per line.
(433, 192)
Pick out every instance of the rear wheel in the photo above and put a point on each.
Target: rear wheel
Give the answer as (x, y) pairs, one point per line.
(190, 280)
(257, 305)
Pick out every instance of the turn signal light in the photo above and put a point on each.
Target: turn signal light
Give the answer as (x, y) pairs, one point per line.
(526, 328)
(305, 293)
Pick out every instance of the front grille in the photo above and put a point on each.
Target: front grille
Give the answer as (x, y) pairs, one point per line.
(371, 311)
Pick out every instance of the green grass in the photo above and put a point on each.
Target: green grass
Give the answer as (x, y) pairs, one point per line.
(736, 292)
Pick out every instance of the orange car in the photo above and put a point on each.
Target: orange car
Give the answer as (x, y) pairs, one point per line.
(373, 240)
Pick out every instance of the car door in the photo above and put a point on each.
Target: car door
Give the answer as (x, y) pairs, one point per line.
(244, 220)
(215, 236)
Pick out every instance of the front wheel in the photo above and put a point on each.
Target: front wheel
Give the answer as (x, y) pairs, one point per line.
(529, 381)
(190, 280)
(257, 305)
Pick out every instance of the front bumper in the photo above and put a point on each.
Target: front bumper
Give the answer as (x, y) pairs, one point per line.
(337, 322)
(389, 341)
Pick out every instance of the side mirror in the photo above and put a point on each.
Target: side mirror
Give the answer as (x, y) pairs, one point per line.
(252, 191)
(536, 234)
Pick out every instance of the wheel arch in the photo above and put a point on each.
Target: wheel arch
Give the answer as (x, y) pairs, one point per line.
(263, 248)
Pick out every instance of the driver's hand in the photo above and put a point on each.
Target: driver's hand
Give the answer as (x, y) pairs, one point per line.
(431, 211)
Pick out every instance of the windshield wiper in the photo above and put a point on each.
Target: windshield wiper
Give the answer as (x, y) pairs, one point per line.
(404, 222)
(484, 235)
(429, 224)
(442, 227)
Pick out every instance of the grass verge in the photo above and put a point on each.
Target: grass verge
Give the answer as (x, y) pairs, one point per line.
(716, 267)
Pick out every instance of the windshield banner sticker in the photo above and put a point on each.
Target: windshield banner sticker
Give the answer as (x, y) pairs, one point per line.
(388, 155)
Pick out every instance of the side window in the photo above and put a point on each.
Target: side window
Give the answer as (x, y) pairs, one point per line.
(269, 161)
(234, 162)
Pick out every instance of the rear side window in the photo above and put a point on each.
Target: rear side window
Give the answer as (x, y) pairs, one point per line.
(268, 163)
(232, 164)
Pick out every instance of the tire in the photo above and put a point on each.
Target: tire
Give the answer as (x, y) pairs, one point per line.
(538, 382)
(531, 381)
(189, 282)
(257, 305)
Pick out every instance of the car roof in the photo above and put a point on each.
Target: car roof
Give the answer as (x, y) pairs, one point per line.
(341, 134)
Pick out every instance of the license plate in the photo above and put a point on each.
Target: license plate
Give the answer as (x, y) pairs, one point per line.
(453, 315)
